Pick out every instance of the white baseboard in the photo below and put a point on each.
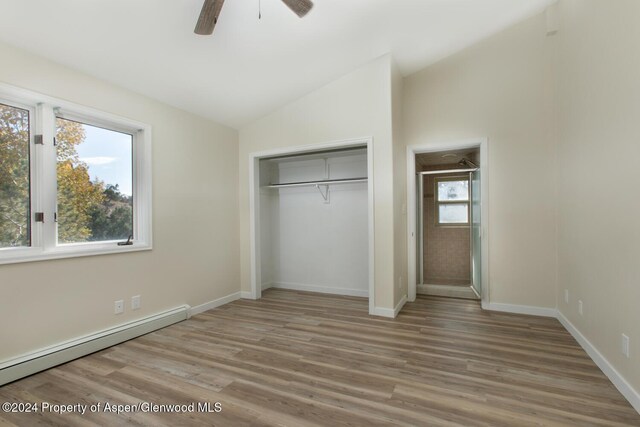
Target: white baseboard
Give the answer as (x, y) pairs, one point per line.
(614, 376)
(520, 309)
(387, 312)
(246, 295)
(478, 296)
(213, 304)
(321, 289)
(45, 358)
(398, 307)
(267, 285)
(382, 312)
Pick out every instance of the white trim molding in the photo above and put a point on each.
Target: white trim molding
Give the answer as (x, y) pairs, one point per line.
(398, 307)
(214, 304)
(387, 312)
(320, 289)
(45, 358)
(605, 366)
(247, 295)
(520, 309)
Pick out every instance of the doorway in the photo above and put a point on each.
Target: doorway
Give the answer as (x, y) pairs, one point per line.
(310, 208)
(447, 218)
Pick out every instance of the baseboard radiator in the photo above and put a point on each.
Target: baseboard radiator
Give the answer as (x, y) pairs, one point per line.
(49, 357)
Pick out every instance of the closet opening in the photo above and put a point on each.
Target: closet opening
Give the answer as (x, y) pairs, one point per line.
(312, 216)
(448, 228)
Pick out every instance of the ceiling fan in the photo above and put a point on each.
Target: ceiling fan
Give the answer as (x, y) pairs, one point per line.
(211, 10)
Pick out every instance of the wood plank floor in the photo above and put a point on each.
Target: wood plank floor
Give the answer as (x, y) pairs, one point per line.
(299, 359)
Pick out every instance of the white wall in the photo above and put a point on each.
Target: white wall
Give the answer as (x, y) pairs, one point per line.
(356, 105)
(501, 89)
(313, 245)
(195, 225)
(599, 144)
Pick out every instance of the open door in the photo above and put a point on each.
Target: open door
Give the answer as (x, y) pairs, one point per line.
(419, 229)
(476, 233)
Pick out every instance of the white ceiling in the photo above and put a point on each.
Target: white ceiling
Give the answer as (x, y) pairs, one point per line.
(249, 67)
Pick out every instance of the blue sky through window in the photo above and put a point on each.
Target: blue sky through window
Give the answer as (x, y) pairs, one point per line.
(109, 157)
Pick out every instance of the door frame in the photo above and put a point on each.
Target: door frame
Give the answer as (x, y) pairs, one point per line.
(254, 206)
(436, 146)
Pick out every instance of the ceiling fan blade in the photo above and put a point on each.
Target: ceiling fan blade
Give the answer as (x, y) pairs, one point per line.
(299, 7)
(208, 17)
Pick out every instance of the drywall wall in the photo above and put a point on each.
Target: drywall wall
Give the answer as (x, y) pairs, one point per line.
(195, 225)
(313, 244)
(356, 105)
(501, 89)
(399, 190)
(599, 142)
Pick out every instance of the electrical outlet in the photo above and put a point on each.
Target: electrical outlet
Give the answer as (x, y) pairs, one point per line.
(119, 307)
(625, 345)
(135, 302)
(566, 296)
(580, 308)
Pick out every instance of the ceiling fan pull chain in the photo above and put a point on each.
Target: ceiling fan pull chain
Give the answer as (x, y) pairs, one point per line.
(211, 10)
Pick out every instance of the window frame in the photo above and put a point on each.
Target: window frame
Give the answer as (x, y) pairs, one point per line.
(43, 177)
(438, 203)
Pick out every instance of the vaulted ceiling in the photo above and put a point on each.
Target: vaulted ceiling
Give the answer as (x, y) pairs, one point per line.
(249, 66)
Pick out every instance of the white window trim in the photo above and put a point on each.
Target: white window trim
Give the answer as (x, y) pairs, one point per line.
(44, 244)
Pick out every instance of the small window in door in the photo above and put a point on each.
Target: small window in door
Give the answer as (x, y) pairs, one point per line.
(452, 201)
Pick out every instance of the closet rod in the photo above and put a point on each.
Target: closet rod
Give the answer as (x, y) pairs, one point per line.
(323, 182)
(447, 171)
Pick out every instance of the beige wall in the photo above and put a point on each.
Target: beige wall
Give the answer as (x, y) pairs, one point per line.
(501, 89)
(195, 225)
(599, 144)
(356, 105)
(401, 288)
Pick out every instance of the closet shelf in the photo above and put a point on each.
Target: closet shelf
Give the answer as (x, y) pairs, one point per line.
(322, 182)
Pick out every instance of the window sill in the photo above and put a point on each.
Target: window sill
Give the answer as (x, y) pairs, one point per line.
(15, 256)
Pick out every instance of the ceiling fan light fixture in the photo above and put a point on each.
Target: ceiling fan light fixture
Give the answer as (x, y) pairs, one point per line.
(208, 17)
(299, 7)
(211, 11)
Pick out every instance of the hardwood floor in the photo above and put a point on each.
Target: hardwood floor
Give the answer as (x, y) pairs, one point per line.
(296, 358)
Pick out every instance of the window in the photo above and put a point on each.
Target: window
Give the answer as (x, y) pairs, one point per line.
(95, 183)
(73, 181)
(452, 201)
(15, 178)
